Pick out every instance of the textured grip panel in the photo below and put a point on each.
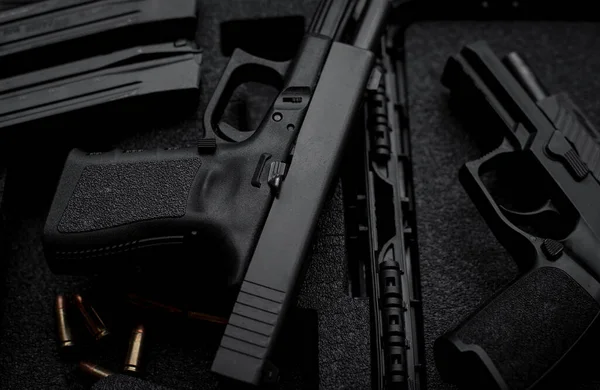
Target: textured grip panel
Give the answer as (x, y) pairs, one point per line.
(527, 328)
(110, 195)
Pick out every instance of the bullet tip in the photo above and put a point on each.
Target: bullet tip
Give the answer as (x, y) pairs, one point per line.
(103, 333)
(60, 301)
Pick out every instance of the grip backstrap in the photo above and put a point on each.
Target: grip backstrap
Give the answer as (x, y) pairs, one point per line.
(519, 335)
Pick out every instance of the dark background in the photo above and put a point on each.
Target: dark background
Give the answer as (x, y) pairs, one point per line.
(461, 262)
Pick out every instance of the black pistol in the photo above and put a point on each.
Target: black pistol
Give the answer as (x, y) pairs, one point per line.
(543, 207)
(245, 202)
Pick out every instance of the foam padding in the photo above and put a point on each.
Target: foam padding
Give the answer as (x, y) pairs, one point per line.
(124, 382)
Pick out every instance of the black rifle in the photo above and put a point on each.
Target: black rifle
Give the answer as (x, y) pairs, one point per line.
(251, 204)
(519, 336)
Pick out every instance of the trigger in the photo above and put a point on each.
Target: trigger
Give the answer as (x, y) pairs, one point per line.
(543, 222)
(232, 134)
(544, 210)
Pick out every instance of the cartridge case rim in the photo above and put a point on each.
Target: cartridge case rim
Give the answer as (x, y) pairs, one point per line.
(95, 370)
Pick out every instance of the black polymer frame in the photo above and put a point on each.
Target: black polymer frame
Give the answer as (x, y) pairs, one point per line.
(380, 211)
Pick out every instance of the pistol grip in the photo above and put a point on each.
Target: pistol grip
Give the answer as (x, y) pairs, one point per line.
(525, 330)
(242, 67)
(124, 208)
(516, 338)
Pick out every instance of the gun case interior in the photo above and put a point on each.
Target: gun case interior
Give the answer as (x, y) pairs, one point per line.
(460, 263)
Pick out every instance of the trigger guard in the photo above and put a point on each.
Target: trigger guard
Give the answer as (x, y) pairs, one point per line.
(519, 243)
(242, 67)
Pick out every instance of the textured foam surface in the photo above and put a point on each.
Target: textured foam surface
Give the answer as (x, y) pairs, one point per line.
(179, 358)
(461, 262)
(124, 382)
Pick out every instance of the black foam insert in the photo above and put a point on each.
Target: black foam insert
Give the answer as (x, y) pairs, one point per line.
(125, 382)
(462, 264)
